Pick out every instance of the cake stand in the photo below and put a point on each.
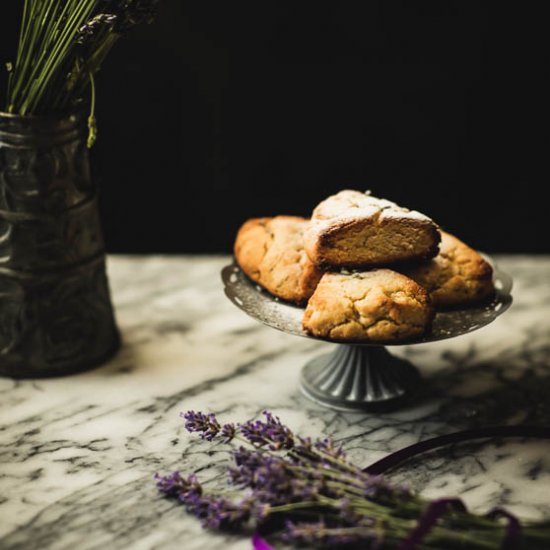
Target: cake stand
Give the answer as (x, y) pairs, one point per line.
(361, 375)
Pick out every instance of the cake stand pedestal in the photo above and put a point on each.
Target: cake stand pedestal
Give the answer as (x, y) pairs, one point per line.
(354, 377)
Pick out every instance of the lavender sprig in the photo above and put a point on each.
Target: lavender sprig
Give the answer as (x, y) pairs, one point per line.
(269, 432)
(205, 424)
(62, 46)
(306, 492)
(214, 512)
(90, 29)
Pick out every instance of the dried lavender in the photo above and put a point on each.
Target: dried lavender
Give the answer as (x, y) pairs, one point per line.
(269, 432)
(214, 512)
(62, 46)
(102, 22)
(306, 492)
(205, 424)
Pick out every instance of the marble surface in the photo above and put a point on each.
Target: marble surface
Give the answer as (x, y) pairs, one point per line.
(77, 454)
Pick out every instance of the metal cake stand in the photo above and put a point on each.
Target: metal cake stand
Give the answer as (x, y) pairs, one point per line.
(360, 375)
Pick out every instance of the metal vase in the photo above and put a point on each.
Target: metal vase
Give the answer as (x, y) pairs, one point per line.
(56, 315)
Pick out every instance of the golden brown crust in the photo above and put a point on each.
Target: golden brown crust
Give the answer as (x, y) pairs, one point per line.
(354, 229)
(457, 276)
(271, 252)
(378, 306)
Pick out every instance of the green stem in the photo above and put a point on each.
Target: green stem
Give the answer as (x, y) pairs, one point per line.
(93, 65)
(49, 38)
(92, 125)
(57, 56)
(26, 66)
(439, 538)
(20, 46)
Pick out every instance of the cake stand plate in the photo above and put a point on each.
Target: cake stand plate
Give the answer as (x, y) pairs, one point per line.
(361, 375)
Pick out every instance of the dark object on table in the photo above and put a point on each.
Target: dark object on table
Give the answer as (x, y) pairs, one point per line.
(56, 315)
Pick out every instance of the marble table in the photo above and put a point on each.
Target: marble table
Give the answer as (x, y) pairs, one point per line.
(78, 454)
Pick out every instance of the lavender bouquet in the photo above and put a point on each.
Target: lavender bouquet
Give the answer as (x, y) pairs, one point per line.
(306, 493)
(62, 46)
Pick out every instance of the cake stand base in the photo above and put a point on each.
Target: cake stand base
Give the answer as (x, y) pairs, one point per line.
(356, 377)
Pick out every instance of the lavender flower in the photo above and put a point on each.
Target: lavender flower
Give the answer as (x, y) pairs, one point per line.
(91, 28)
(170, 484)
(62, 44)
(328, 447)
(271, 433)
(229, 431)
(266, 474)
(325, 500)
(175, 485)
(220, 512)
(213, 512)
(248, 462)
(206, 424)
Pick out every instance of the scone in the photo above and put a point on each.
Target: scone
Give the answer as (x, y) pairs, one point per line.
(457, 276)
(376, 306)
(354, 229)
(271, 252)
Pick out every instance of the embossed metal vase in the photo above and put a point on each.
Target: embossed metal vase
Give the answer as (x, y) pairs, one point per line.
(56, 315)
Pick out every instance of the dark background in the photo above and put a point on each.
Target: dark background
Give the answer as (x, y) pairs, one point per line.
(222, 111)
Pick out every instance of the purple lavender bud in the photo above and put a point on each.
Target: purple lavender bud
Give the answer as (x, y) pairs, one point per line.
(271, 433)
(247, 458)
(250, 467)
(328, 447)
(228, 432)
(280, 435)
(193, 488)
(240, 477)
(175, 485)
(213, 512)
(91, 28)
(253, 431)
(224, 514)
(304, 453)
(170, 484)
(206, 424)
(273, 479)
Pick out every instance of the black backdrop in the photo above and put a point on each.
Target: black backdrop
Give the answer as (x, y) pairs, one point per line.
(226, 110)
